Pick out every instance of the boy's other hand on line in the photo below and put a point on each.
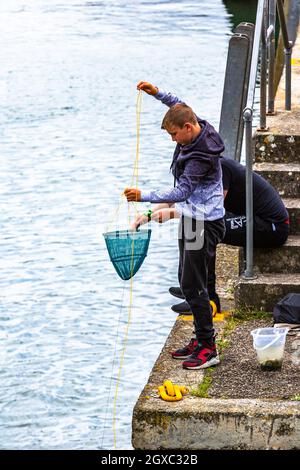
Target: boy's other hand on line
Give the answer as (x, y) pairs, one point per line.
(159, 216)
(140, 220)
(148, 88)
(132, 194)
(165, 214)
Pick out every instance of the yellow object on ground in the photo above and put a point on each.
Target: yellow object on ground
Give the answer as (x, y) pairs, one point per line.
(171, 392)
(216, 318)
(214, 307)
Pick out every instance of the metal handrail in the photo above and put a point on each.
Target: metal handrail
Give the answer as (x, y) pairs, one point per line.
(264, 38)
(248, 119)
(288, 46)
(271, 6)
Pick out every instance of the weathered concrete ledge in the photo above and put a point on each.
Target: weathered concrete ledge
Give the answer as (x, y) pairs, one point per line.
(205, 423)
(208, 423)
(272, 260)
(263, 292)
(281, 142)
(285, 177)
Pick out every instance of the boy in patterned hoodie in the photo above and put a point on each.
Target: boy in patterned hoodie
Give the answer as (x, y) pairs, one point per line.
(198, 197)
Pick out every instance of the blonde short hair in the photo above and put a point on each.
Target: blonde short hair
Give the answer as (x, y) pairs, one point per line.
(178, 115)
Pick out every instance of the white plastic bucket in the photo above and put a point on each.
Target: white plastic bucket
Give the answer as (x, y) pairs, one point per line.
(269, 345)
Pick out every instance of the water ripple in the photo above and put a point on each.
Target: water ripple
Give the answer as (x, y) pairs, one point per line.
(68, 129)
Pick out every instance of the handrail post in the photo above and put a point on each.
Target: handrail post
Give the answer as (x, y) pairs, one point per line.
(263, 72)
(248, 118)
(288, 78)
(271, 87)
(288, 55)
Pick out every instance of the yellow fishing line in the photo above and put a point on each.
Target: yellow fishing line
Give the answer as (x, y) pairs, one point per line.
(123, 353)
(137, 151)
(134, 177)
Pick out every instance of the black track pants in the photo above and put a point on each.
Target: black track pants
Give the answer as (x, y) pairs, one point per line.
(193, 273)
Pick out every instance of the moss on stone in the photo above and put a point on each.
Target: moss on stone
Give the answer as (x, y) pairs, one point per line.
(246, 314)
(295, 398)
(202, 390)
(156, 418)
(284, 429)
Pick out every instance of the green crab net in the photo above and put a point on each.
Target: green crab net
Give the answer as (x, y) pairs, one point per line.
(127, 250)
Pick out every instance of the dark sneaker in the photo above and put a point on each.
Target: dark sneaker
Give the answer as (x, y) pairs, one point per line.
(182, 309)
(186, 351)
(205, 355)
(176, 292)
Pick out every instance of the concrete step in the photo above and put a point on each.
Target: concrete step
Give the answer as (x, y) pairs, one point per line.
(284, 177)
(293, 208)
(265, 291)
(277, 148)
(283, 259)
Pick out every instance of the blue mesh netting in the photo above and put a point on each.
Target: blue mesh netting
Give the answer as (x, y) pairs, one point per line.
(127, 250)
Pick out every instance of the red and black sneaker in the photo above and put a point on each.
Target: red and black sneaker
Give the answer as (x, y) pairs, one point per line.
(186, 351)
(204, 355)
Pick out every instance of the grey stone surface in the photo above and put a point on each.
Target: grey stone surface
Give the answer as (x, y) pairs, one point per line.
(263, 292)
(282, 259)
(239, 374)
(228, 269)
(284, 177)
(293, 208)
(280, 144)
(168, 368)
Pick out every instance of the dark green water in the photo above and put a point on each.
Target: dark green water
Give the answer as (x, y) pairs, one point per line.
(240, 11)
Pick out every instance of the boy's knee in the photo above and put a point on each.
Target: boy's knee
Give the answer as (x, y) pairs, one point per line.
(194, 296)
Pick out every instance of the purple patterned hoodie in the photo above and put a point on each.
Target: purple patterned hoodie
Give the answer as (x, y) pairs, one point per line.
(197, 171)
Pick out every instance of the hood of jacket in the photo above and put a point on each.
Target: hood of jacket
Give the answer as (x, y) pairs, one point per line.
(207, 148)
